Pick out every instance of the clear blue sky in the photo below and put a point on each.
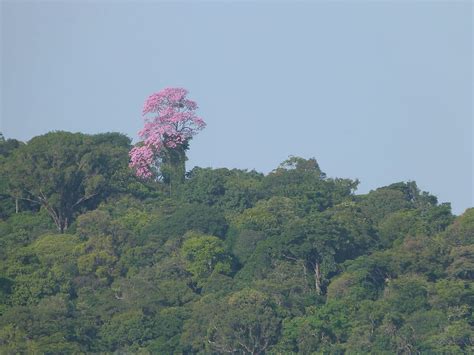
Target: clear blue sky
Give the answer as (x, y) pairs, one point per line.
(375, 90)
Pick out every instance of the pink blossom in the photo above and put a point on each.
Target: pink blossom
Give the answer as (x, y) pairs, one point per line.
(170, 122)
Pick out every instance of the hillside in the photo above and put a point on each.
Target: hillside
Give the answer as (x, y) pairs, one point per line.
(96, 259)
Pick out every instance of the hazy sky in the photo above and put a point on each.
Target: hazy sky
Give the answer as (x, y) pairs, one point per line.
(375, 90)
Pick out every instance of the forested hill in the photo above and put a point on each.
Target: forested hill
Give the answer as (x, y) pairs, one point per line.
(95, 259)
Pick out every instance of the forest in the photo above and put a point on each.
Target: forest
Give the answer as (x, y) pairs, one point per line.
(97, 259)
(109, 247)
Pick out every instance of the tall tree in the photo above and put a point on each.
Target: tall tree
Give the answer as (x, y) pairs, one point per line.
(66, 172)
(170, 123)
(7, 146)
(249, 325)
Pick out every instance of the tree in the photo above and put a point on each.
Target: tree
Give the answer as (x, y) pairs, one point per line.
(126, 329)
(249, 325)
(7, 146)
(170, 123)
(204, 254)
(228, 189)
(66, 172)
(303, 181)
(7, 207)
(321, 241)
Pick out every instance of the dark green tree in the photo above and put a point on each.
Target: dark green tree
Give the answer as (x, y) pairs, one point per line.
(65, 173)
(249, 325)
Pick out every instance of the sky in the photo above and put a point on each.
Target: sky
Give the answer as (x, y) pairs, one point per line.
(379, 91)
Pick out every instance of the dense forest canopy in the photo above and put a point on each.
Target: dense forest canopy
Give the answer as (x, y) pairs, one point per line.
(96, 259)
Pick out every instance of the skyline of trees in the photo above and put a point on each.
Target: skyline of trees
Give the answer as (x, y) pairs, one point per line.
(234, 260)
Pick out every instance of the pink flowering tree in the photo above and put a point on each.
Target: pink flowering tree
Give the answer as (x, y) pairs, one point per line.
(170, 123)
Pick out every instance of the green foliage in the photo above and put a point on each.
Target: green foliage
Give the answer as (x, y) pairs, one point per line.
(168, 326)
(64, 172)
(9, 200)
(173, 166)
(231, 190)
(98, 258)
(23, 228)
(243, 243)
(303, 181)
(250, 324)
(397, 225)
(229, 261)
(268, 216)
(205, 254)
(407, 294)
(125, 330)
(461, 232)
(56, 249)
(318, 329)
(7, 146)
(384, 201)
(176, 220)
(462, 262)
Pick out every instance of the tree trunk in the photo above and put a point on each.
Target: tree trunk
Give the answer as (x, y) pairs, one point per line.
(65, 225)
(317, 278)
(59, 221)
(173, 168)
(306, 283)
